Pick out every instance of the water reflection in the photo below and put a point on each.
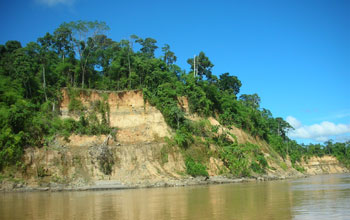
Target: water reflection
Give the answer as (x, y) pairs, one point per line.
(322, 197)
(316, 197)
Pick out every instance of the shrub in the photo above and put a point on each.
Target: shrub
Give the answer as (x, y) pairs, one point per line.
(183, 138)
(236, 160)
(194, 168)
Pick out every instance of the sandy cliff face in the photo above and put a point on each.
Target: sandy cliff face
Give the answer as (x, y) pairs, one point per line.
(83, 159)
(323, 165)
(138, 154)
(137, 121)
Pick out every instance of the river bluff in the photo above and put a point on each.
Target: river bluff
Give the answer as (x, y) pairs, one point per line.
(137, 156)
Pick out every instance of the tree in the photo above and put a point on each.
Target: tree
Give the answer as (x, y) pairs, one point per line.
(84, 39)
(148, 46)
(44, 56)
(25, 67)
(169, 56)
(62, 41)
(197, 97)
(282, 127)
(229, 83)
(7, 57)
(252, 101)
(120, 67)
(12, 45)
(104, 52)
(201, 66)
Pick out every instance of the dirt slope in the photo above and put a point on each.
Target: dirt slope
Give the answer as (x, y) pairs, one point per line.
(138, 154)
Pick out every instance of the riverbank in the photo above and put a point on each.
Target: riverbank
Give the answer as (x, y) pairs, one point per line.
(290, 199)
(145, 152)
(18, 186)
(77, 168)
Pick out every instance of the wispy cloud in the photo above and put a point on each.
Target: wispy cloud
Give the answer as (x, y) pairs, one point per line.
(318, 132)
(337, 115)
(52, 3)
(342, 115)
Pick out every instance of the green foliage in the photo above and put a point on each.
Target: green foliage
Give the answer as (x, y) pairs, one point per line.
(340, 150)
(236, 160)
(15, 121)
(201, 128)
(259, 164)
(277, 143)
(262, 161)
(202, 66)
(241, 159)
(229, 83)
(198, 101)
(295, 151)
(169, 56)
(41, 171)
(165, 98)
(256, 167)
(11, 149)
(183, 138)
(164, 153)
(148, 46)
(252, 101)
(283, 165)
(75, 105)
(299, 168)
(106, 160)
(194, 168)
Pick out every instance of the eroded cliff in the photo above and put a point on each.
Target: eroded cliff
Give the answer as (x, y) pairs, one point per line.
(137, 154)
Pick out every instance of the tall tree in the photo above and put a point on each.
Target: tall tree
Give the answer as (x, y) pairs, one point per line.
(62, 40)
(229, 83)
(84, 38)
(282, 127)
(148, 46)
(201, 65)
(104, 53)
(44, 52)
(25, 67)
(169, 56)
(12, 45)
(7, 57)
(252, 101)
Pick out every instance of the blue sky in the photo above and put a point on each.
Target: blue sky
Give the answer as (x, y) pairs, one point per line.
(295, 54)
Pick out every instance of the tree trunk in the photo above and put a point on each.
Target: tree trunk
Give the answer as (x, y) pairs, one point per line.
(44, 83)
(82, 78)
(129, 68)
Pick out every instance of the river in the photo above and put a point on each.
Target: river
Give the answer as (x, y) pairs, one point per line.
(316, 197)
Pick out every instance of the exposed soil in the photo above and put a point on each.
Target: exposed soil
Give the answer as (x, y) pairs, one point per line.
(137, 157)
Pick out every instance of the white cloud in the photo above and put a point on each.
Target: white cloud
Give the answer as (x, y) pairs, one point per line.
(318, 132)
(293, 122)
(56, 2)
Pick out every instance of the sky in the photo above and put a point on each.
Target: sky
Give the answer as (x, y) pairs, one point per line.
(295, 54)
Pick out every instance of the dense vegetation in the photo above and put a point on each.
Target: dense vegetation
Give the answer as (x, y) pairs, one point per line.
(80, 55)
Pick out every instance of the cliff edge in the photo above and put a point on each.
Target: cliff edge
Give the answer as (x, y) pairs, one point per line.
(138, 153)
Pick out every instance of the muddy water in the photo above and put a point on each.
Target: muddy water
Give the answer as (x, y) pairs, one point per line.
(318, 197)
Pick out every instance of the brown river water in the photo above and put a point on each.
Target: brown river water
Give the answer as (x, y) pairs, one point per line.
(316, 197)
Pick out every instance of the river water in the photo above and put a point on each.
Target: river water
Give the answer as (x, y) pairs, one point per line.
(317, 197)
